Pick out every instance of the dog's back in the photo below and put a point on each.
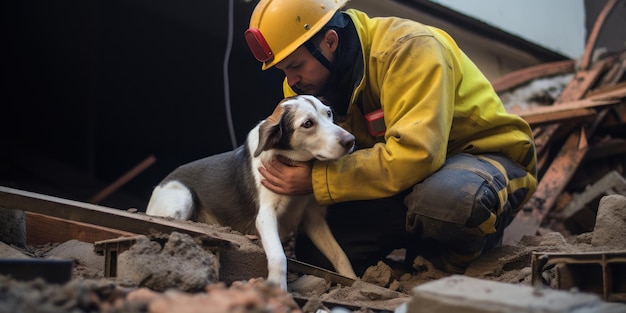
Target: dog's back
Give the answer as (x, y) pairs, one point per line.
(223, 192)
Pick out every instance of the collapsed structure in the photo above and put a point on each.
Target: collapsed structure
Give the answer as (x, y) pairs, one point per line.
(569, 235)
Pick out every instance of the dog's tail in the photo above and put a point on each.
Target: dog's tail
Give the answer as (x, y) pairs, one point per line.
(171, 199)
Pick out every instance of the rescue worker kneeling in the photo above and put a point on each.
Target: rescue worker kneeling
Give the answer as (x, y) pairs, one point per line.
(441, 168)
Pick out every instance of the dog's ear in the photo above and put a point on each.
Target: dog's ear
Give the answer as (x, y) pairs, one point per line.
(270, 131)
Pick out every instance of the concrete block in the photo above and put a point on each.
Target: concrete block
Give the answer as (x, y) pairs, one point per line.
(471, 295)
(13, 227)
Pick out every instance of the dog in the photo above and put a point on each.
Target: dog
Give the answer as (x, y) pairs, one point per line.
(226, 188)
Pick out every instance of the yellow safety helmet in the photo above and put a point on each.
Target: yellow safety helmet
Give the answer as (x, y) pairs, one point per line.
(279, 27)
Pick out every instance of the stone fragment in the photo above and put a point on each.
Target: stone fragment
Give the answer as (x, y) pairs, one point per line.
(180, 264)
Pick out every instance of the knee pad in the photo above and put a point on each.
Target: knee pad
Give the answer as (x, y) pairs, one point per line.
(483, 213)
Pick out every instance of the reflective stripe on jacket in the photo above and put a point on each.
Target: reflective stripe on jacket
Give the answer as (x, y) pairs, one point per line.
(436, 103)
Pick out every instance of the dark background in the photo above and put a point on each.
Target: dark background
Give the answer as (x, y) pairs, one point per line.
(90, 89)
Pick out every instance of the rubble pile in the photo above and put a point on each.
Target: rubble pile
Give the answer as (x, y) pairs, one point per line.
(572, 228)
(580, 138)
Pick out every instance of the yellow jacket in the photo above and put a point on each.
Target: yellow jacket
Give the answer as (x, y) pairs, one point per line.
(436, 103)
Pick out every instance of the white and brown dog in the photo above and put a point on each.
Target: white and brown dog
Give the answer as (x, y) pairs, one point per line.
(226, 188)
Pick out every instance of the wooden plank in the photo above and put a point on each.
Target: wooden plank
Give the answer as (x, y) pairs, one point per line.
(615, 74)
(547, 134)
(523, 76)
(577, 116)
(123, 180)
(607, 148)
(581, 84)
(574, 91)
(612, 92)
(583, 81)
(239, 257)
(43, 229)
(559, 134)
(98, 215)
(600, 119)
(537, 119)
(612, 180)
(569, 106)
(595, 32)
(554, 181)
(618, 116)
(567, 111)
(564, 165)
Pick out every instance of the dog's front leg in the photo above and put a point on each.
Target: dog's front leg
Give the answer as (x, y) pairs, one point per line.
(315, 226)
(267, 226)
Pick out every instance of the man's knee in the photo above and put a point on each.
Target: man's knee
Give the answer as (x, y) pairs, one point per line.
(464, 192)
(482, 217)
(459, 244)
(473, 196)
(479, 215)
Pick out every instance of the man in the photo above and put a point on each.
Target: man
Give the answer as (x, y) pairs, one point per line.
(440, 168)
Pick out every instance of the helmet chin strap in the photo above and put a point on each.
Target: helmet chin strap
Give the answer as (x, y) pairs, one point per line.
(316, 53)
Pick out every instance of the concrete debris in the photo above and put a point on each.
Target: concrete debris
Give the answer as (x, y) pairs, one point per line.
(251, 296)
(76, 296)
(88, 263)
(470, 295)
(183, 273)
(180, 264)
(309, 286)
(8, 252)
(381, 275)
(610, 219)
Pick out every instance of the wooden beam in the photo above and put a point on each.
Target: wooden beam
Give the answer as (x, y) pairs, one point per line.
(612, 182)
(612, 92)
(582, 82)
(574, 91)
(42, 229)
(123, 180)
(538, 119)
(569, 106)
(571, 154)
(239, 257)
(98, 215)
(523, 76)
(554, 181)
(566, 111)
(607, 148)
(595, 32)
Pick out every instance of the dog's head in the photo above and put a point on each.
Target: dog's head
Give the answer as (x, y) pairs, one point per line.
(302, 128)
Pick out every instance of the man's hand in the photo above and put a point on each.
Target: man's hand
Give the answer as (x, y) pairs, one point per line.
(287, 177)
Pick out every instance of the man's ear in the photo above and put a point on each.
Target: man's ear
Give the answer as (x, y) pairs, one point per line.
(330, 41)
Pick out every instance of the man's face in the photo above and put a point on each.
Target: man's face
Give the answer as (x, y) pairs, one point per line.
(304, 72)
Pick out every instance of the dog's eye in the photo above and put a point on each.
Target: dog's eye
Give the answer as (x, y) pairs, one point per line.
(330, 113)
(307, 124)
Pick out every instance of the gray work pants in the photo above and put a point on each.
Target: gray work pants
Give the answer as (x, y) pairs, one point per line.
(457, 213)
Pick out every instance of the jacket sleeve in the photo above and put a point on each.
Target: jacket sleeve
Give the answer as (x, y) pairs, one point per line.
(416, 80)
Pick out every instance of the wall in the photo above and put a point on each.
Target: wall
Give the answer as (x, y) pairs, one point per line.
(556, 24)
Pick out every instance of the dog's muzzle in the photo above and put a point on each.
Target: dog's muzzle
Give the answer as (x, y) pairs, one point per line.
(348, 141)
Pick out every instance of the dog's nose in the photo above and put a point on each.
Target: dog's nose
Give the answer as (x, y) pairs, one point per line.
(347, 140)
